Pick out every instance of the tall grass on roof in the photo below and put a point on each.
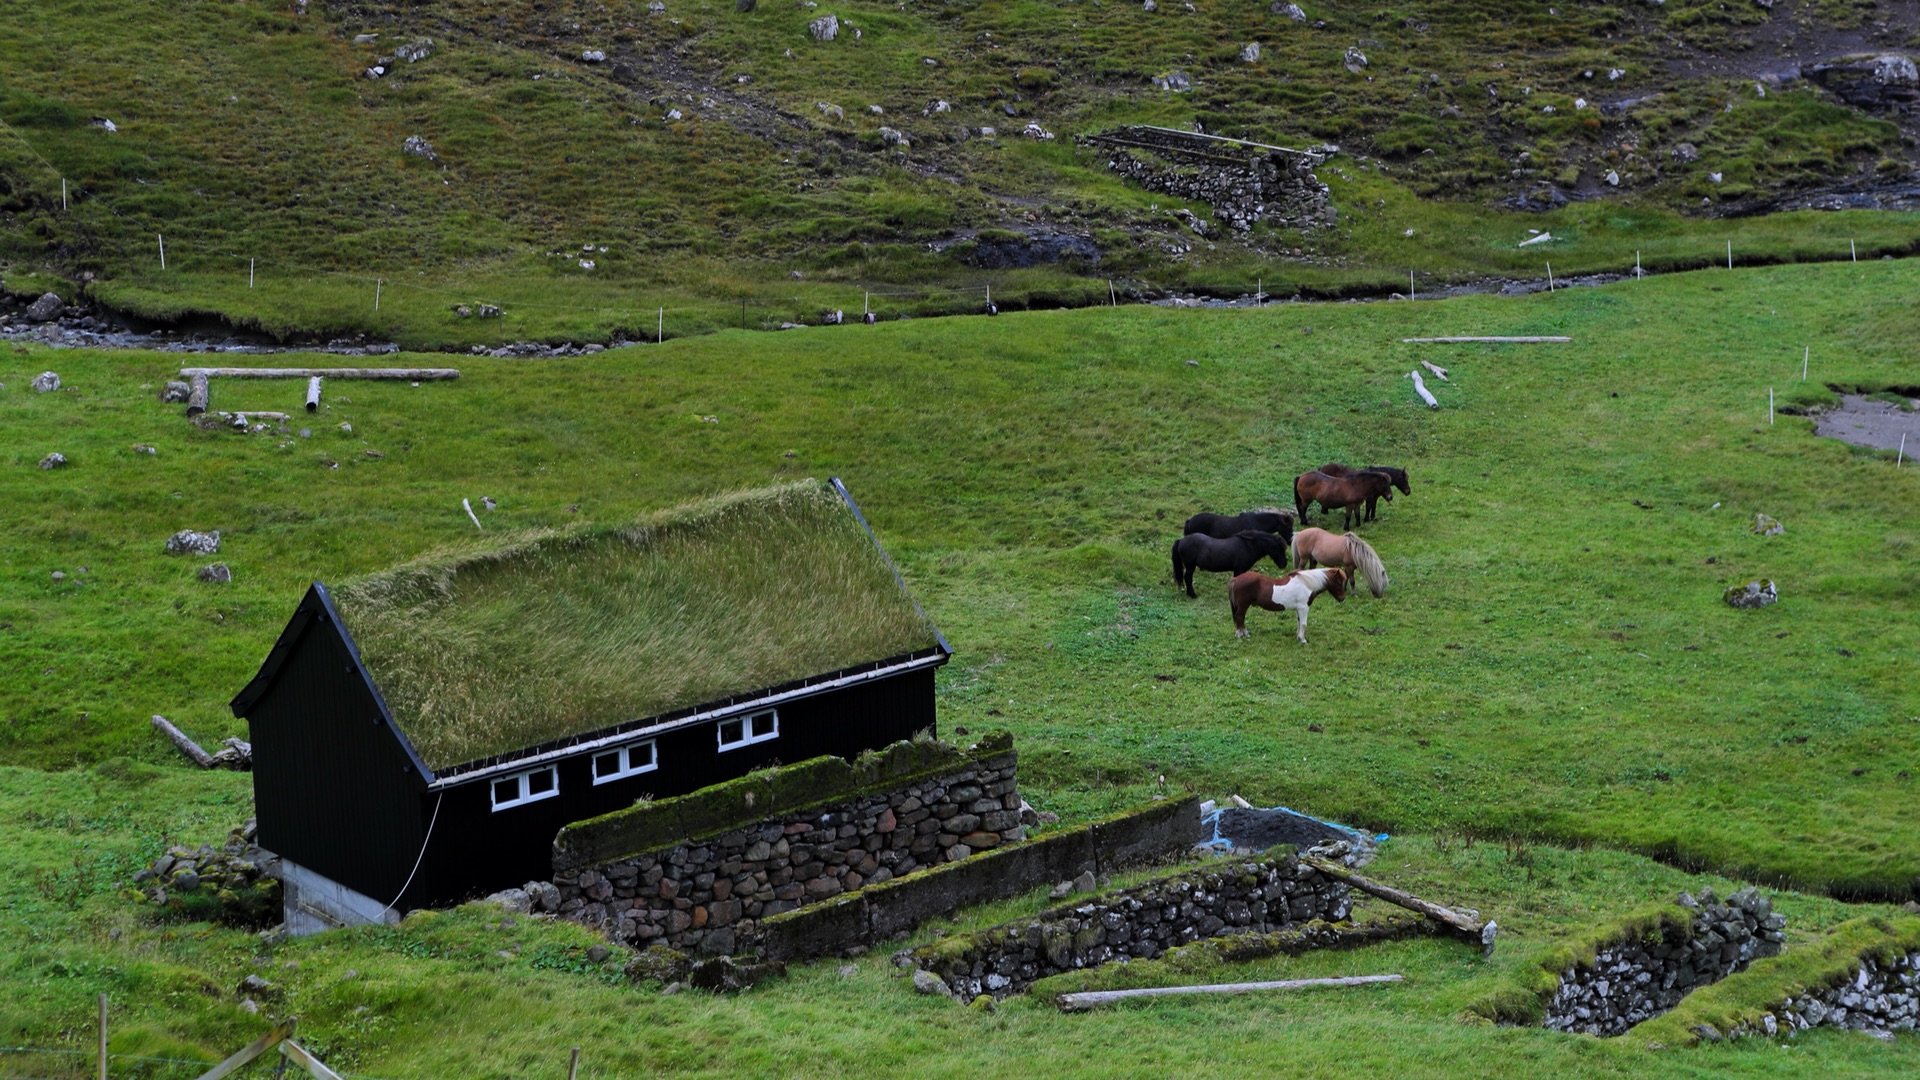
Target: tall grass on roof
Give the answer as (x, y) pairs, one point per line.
(497, 646)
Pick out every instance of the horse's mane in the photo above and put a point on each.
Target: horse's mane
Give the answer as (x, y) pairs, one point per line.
(1368, 560)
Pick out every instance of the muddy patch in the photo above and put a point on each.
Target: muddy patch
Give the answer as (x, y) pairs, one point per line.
(1865, 421)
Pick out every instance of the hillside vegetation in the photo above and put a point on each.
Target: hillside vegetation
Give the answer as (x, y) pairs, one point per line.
(713, 152)
(1551, 678)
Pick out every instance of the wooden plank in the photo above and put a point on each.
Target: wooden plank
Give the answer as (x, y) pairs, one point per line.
(300, 1056)
(252, 1050)
(1467, 340)
(1465, 924)
(187, 746)
(1438, 371)
(1093, 998)
(410, 374)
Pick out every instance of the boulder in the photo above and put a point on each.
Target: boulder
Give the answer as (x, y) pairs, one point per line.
(176, 392)
(593, 56)
(53, 461)
(1754, 594)
(1175, 81)
(415, 50)
(514, 900)
(47, 308)
(1149, 6)
(1250, 53)
(824, 28)
(419, 147)
(1888, 83)
(189, 542)
(544, 894)
(45, 382)
(1356, 61)
(215, 574)
(928, 983)
(1291, 11)
(1766, 526)
(894, 138)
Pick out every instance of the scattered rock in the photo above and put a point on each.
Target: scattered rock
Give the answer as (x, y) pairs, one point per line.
(143, 448)
(744, 6)
(514, 900)
(1250, 53)
(894, 138)
(189, 542)
(415, 50)
(215, 574)
(829, 109)
(255, 986)
(53, 461)
(175, 392)
(593, 56)
(47, 308)
(419, 147)
(1035, 131)
(1613, 178)
(47, 381)
(1356, 61)
(1175, 81)
(824, 28)
(928, 983)
(1149, 6)
(59, 575)
(1754, 594)
(1766, 526)
(1889, 83)
(1291, 11)
(1686, 151)
(1085, 882)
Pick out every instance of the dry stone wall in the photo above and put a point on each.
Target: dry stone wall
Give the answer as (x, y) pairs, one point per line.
(709, 893)
(1236, 896)
(1879, 998)
(1242, 183)
(1641, 978)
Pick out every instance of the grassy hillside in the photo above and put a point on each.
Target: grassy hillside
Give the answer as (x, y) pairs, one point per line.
(1552, 671)
(695, 166)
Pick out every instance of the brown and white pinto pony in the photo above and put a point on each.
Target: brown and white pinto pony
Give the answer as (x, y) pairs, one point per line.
(1294, 592)
(1311, 547)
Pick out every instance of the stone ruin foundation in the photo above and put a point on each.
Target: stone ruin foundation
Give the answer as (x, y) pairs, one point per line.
(1244, 182)
(1639, 978)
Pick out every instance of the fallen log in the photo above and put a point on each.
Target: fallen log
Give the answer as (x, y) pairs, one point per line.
(187, 746)
(410, 374)
(196, 395)
(1438, 371)
(1420, 387)
(1466, 340)
(1089, 999)
(313, 394)
(1467, 925)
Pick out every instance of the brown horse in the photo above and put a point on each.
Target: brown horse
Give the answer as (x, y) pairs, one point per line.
(1294, 592)
(1396, 477)
(1355, 492)
(1311, 547)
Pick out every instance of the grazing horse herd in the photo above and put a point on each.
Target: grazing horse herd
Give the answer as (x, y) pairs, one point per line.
(1234, 544)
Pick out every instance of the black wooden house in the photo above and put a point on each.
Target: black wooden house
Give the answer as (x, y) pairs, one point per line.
(420, 735)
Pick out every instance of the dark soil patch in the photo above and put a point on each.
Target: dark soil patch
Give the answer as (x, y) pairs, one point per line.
(1865, 421)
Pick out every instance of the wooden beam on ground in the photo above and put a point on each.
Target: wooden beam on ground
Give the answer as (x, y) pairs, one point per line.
(252, 1050)
(1438, 371)
(1467, 925)
(1466, 340)
(1420, 387)
(187, 746)
(304, 1058)
(313, 393)
(1093, 998)
(196, 395)
(425, 374)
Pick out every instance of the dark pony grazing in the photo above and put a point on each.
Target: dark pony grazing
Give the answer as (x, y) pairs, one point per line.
(1355, 492)
(1396, 477)
(1295, 593)
(1234, 555)
(1220, 526)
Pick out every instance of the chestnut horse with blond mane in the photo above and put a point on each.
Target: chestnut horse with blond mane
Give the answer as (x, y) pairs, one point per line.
(1311, 547)
(1294, 592)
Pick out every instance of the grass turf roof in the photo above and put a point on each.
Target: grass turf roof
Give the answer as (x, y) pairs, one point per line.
(497, 646)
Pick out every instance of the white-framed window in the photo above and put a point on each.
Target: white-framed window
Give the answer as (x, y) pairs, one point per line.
(530, 786)
(746, 730)
(624, 761)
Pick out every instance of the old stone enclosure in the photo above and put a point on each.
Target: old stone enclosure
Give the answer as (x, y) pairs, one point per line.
(1244, 182)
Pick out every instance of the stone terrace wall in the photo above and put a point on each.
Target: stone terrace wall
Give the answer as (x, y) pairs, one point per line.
(771, 842)
(1143, 921)
(1638, 979)
(1242, 184)
(1877, 999)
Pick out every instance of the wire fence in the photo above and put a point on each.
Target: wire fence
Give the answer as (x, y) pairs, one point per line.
(47, 1063)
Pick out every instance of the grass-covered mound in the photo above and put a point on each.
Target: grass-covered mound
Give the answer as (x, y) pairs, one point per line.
(503, 644)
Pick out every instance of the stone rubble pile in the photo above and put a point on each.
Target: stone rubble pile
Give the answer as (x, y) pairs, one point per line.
(708, 895)
(1239, 896)
(1638, 979)
(242, 877)
(1244, 185)
(1878, 999)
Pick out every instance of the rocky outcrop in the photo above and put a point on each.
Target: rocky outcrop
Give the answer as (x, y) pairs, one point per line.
(1244, 182)
(1649, 973)
(1882, 84)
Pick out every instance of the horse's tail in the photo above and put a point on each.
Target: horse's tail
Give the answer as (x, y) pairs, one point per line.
(1299, 500)
(1368, 560)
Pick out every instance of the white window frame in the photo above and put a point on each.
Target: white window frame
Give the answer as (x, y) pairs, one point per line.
(747, 722)
(522, 780)
(625, 754)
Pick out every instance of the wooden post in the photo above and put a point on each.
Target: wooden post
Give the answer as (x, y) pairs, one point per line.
(376, 293)
(313, 394)
(197, 395)
(1637, 274)
(1804, 357)
(163, 250)
(660, 329)
(1410, 292)
(1902, 455)
(187, 746)
(1113, 298)
(573, 1064)
(1464, 924)
(63, 193)
(866, 304)
(1259, 292)
(1769, 406)
(1092, 998)
(103, 1037)
(743, 313)
(249, 273)
(1549, 277)
(1853, 249)
(1729, 254)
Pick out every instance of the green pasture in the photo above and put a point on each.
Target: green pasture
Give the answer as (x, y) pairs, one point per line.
(1551, 709)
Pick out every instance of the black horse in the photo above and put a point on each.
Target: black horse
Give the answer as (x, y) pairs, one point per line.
(1234, 555)
(1221, 527)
